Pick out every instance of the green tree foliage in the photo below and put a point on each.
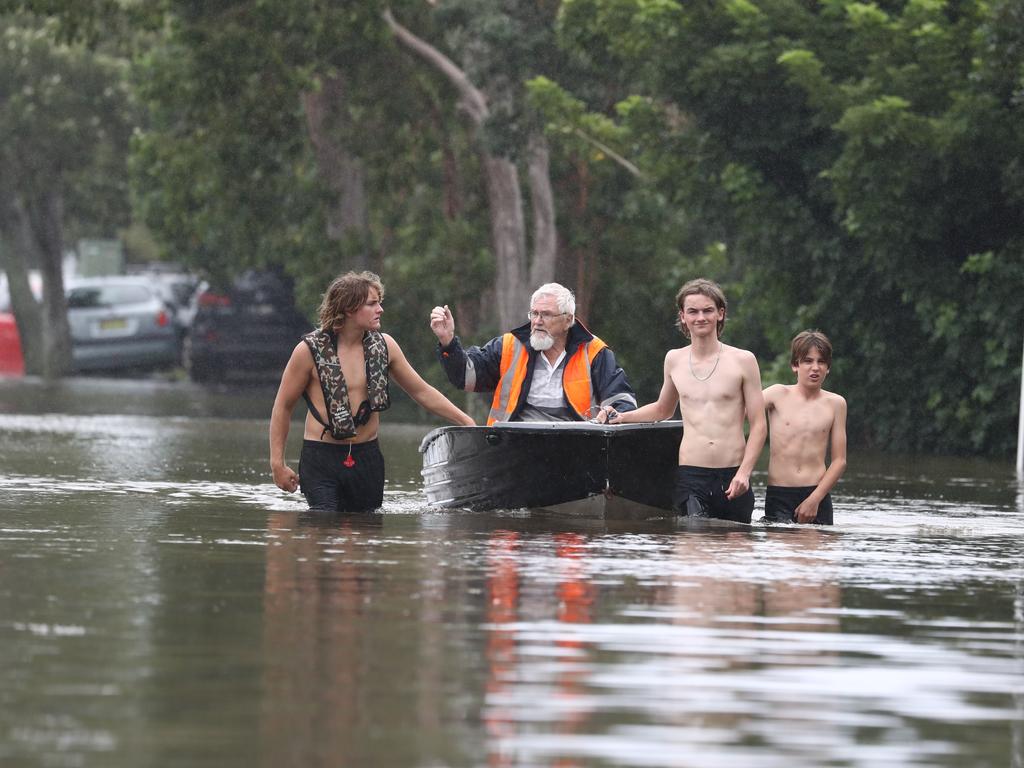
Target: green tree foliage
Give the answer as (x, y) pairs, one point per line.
(66, 114)
(852, 166)
(228, 176)
(860, 164)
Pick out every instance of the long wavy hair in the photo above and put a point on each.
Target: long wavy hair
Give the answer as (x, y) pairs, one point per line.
(345, 294)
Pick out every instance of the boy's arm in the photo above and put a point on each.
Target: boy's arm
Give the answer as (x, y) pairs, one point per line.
(753, 402)
(660, 409)
(807, 511)
(419, 390)
(293, 384)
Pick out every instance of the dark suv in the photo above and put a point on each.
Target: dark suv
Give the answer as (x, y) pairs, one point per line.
(246, 333)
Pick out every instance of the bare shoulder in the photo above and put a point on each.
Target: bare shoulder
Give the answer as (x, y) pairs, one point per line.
(745, 360)
(835, 400)
(674, 356)
(744, 356)
(300, 369)
(301, 353)
(394, 350)
(773, 393)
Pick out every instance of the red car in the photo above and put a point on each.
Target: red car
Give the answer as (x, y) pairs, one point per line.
(11, 361)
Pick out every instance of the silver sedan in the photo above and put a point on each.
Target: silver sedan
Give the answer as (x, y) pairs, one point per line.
(119, 323)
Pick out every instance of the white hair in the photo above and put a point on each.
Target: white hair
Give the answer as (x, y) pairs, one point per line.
(563, 297)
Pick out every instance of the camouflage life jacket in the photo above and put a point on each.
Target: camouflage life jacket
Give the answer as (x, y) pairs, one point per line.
(341, 422)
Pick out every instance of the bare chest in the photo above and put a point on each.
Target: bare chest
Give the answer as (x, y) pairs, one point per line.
(722, 389)
(353, 368)
(792, 418)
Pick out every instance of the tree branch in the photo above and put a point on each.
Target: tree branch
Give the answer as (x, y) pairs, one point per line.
(472, 97)
(611, 153)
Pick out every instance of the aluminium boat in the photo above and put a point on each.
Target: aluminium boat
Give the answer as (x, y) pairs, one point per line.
(582, 469)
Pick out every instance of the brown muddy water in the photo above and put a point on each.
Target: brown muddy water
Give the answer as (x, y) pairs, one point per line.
(163, 604)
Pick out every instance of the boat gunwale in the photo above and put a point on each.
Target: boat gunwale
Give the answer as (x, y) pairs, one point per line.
(544, 427)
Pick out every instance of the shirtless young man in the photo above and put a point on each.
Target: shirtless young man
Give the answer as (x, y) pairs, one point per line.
(716, 387)
(342, 371)
(805, 420)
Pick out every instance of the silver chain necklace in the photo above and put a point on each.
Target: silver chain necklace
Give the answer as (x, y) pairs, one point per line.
(713, 368)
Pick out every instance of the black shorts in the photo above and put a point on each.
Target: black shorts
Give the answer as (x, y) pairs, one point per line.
(781, 501)
(331, 486)
(700, 491)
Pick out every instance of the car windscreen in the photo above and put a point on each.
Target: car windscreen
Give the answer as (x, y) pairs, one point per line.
(93, 296)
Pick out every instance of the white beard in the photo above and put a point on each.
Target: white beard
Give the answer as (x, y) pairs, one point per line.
(541, 341)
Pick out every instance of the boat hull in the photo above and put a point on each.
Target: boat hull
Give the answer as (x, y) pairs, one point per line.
(578, 468)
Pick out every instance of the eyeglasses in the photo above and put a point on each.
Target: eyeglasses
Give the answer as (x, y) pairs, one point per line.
(545, 316)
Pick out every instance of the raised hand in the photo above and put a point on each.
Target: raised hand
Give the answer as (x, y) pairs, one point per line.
(442, 324)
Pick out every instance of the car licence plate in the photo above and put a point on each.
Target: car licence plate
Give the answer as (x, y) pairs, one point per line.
(113, 324)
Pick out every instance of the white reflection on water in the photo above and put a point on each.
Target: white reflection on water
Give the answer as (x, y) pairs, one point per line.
(263, 495)
(266, 495)
(747, 658)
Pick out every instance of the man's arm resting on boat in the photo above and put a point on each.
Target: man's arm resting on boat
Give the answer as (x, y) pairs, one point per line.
(610, 384)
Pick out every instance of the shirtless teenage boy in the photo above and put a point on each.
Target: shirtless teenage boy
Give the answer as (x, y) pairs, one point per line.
(717, 388)
(342, 370)
(804, 420)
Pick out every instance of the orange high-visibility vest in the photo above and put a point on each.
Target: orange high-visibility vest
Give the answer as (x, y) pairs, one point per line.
(579, 390)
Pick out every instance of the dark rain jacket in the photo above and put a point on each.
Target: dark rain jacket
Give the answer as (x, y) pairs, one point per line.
(478, 369)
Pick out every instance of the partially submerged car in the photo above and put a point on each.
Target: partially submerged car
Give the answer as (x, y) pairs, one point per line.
(119, 323)
(246, 332)
(12, 362)
(177, 289)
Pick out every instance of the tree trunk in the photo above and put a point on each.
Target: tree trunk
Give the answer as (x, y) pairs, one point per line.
(453, 204)
(508, 227)
(508, 236)
(542, 203)
(342, 172)
(585, 258)
(15, 249)
(45, 221)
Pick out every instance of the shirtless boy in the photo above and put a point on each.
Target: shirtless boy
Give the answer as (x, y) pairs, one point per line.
(717, 387)
(345, 362)
(804, 421)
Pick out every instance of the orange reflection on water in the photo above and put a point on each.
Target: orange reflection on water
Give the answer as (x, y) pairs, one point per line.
(575, 596)
(502, 613)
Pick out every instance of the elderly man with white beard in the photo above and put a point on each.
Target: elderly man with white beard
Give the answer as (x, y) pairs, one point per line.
(550, 369)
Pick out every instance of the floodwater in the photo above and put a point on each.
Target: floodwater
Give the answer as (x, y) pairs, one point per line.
(163, 604)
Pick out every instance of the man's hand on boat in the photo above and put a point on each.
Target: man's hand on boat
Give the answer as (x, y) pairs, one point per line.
(442, 324)
(606, 415)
